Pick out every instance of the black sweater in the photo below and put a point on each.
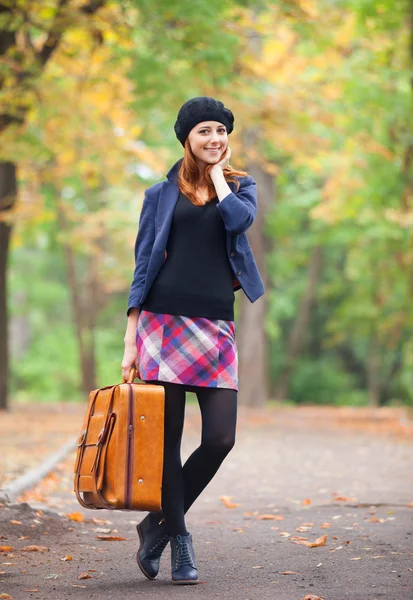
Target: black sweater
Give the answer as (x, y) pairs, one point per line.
(196, 277)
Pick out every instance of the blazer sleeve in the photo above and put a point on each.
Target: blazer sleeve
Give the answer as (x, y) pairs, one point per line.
(238, 209)
(143, 247)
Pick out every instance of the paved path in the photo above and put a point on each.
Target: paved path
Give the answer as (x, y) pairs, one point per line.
(288, 465)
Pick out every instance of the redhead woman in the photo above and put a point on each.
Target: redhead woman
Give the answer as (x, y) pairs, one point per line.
(191, 255)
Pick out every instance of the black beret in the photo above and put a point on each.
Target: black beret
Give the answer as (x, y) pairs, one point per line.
(200, 109)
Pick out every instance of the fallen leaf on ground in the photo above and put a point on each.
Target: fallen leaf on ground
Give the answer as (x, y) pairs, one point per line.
(6, 596)
(358, 558)
(35, 549)
(306, 501)
(85, 576)
(98, 521)
(311, 597)
(78, 586)
(258, 567)
(316, 544)
(288, 573)
(76, 516)
(111, 538)
(13, 522)
(285, 534)
(6, 548)
(23, 537)
(344, 499)
(325, 525)
(67, 558)
(227, 503)
(270, 518)
(321, 541)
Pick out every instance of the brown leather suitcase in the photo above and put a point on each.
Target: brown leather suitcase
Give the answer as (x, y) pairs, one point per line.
(119, 458)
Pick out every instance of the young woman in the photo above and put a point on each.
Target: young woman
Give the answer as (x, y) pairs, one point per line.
(191, 254)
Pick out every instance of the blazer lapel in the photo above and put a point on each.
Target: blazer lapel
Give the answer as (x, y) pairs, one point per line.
(166, 205)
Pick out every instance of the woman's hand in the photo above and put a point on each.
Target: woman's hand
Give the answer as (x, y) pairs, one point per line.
(130, 358)
(224, 162)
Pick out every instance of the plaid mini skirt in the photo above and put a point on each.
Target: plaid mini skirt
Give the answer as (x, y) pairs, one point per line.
(187, 350)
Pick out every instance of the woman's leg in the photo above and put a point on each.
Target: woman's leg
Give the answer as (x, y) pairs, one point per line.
(219, 416)
(172, 480)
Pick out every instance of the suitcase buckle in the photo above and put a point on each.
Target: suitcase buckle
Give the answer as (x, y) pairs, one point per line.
(100, 436)
(82, 439)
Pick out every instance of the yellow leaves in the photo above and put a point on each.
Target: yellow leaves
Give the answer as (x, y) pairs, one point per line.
(6, 548)
(34, 549)
(343, 499)
(304, 527)
(306, 502)
(98, 521)
(226, 501)
(5, 596)
(111, 538)
(321, 541)
(67, 558)
(270, 518)
(376, 520)
(402, 218)
(75, 516)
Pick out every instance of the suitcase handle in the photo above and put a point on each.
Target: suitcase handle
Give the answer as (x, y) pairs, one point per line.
(132, 375)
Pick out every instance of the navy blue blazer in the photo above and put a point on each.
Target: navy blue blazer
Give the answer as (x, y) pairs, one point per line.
(238, 211)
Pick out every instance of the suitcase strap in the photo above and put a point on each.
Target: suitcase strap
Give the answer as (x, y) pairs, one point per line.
(103, 435)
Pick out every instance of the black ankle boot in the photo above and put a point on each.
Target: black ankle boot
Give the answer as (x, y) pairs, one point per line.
(184, 569)
(153, 541)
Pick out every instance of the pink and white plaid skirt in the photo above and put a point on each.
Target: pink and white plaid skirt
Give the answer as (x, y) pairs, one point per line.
(187, 350)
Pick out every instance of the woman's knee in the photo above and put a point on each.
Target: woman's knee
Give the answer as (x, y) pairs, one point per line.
(221, 445)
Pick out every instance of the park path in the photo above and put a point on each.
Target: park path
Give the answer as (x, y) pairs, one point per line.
(293, 473)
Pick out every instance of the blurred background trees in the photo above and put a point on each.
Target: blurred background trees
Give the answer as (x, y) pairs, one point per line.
(322, 97)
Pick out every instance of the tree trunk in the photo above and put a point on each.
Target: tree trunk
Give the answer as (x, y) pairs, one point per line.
(373, 369)
(83, 299)
(7, 199)
(295, 342)
(253, 343)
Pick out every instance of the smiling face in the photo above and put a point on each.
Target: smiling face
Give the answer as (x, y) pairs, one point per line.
(208, 141)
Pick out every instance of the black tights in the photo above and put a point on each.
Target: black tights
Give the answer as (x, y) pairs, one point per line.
(181, 485)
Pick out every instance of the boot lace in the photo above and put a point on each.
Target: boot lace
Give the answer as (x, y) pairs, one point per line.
(159, 546)
(183, 554)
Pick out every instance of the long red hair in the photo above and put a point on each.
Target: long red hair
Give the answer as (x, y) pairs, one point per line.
(188, 177)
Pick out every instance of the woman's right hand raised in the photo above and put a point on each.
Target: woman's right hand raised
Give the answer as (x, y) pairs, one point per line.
(130, 359)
